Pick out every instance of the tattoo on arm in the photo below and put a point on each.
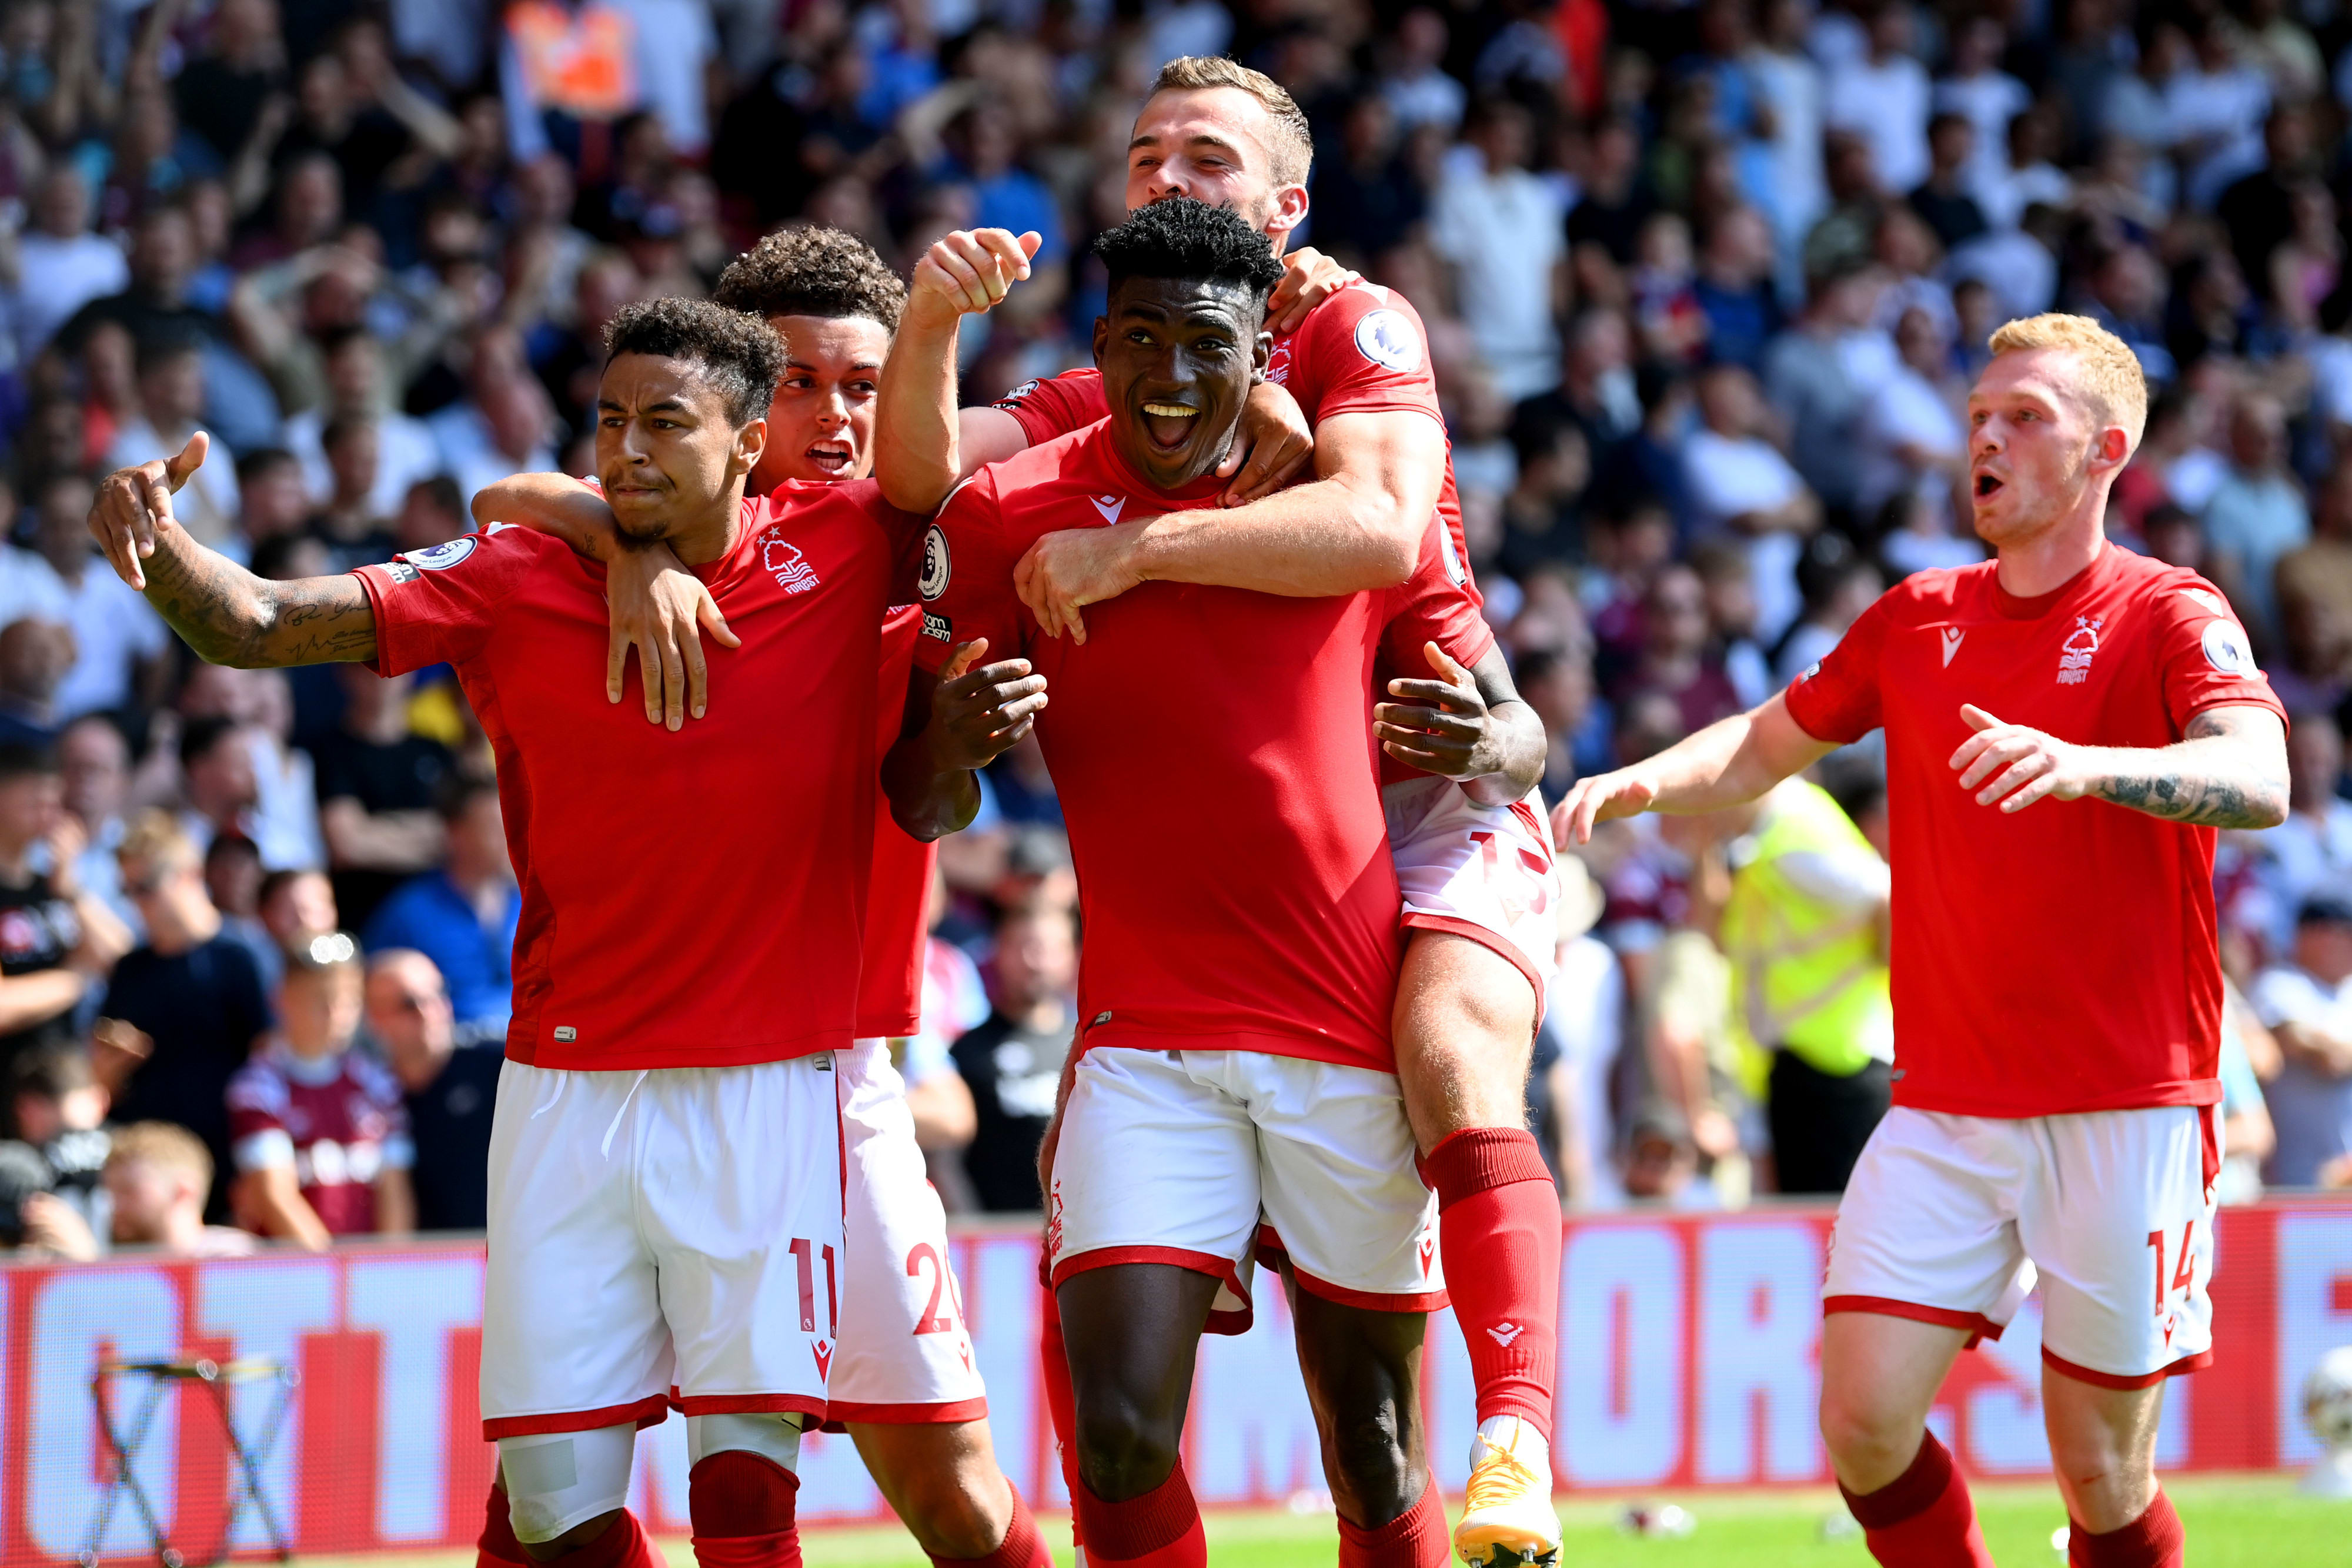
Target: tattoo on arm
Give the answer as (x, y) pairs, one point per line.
(231, 617)
(2229, 771)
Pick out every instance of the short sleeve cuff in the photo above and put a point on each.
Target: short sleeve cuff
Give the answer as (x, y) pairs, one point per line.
(269, 1149)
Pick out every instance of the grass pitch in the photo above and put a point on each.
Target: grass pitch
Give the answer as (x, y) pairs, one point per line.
(2233, 1522)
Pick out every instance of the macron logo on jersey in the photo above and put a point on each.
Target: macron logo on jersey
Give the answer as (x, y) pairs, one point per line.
(1110, 506)
(1953, 636)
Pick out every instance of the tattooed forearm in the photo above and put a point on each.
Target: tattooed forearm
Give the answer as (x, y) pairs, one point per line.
(2229, 772)
(231, 617)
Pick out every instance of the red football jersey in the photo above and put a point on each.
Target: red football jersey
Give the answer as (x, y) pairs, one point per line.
(339, 1119)
(890, 984)
(2061, 959)
(1209, 749)
(1362, 351)
(689, 900)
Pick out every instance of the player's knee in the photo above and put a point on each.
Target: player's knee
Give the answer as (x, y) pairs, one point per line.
(1371, 1474)
(1123, 1450)
(560, 1484)
(958, 1511)
(1864, 1438)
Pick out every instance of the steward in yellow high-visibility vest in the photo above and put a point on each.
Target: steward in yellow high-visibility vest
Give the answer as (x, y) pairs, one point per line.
(1804, 931)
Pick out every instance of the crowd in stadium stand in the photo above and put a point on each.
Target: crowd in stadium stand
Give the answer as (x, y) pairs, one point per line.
(1705, 286)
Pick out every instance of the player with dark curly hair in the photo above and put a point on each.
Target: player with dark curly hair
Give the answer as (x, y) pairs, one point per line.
(666, 1173)
(904, 1383)
(1233, 1059)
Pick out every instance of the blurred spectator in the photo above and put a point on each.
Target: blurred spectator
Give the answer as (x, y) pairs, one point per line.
(462, 914)
(2306, 1002)
(503, 425)
(1498, 227)
(1739, 484)
(159, 1177)
(1582, 1032)
(322, 1135)
(1805, 933)
(2310, 852)
(2314, 600)
(1883, 97)
(94, 761)
(1786, 178)
(57, 1106)
(1674, 664)
(2256, 516)
(1013, 1059)
(1734, 289)
(223, 788)
(36, 657)
(60, 264)
(171, 405)
(1945, 201)
(377, 785)
(450, 1090)
(187, 1008)
(271, 501)
(1978, 94)
(1838, 584)
(57, 942)
(118, 639)
(1821, 376)
(360, 386)
(233, 876)
(2250, 1056)
(35, 1223)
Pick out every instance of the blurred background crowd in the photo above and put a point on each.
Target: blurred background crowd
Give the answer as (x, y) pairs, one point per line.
(1705, 285)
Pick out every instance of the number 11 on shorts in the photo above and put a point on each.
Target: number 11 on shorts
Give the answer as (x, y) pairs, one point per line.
(801, 1250)
(2184, 1276)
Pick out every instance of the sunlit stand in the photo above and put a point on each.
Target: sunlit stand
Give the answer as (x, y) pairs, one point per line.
(123, 1448)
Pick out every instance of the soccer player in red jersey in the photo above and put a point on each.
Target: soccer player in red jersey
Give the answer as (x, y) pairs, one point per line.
(666, 1225)
(903, 1382)
(1474, 861)
(1233, 1053)
(2066, 726)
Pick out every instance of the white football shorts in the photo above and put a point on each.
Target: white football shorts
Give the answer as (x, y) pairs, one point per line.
(904, 1355)
(1950, 1219)
(1170, 1157)
(1481, 871)
(658, 1240)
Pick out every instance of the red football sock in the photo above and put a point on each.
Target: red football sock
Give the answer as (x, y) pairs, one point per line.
(1923, 1518)
(1022, 1546)
(497, 1547)
(1061, 1403)
(2154, 1540)
(1500, 1239)
(624, 1544)
(1417, 1538)
(743, 1506)
(1161, 1529)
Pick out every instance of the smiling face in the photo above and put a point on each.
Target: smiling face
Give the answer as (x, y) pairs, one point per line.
(821, 424)
(1212, 144)
(669, 456)
(2037, 447)
(1178, 360)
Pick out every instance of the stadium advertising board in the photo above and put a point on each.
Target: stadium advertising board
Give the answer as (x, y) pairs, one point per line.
(1687, 1359)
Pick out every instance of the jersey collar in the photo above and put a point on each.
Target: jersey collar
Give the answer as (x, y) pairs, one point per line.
(2014, 608)
(1201, 489)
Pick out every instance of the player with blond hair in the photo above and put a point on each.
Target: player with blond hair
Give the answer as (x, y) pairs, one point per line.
(2067, 725)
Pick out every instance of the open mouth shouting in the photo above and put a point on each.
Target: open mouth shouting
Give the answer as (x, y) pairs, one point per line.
(1169, 424)
(831, 457)
(1984, 484)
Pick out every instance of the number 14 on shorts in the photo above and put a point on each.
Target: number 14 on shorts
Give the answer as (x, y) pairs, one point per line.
(2173, 1292)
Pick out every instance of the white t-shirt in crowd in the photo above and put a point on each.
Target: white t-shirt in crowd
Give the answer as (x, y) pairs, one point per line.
(1503, 234)
(1726, 476)
(56, 277)
(1885, 102)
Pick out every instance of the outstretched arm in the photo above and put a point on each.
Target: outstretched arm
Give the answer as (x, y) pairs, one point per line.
(2228, 771)
(1468, 725)
(655, 605)
(1729, 762)
(223, 612)
(1356, 525)
(923, 443)
(956, 722)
